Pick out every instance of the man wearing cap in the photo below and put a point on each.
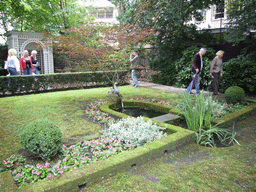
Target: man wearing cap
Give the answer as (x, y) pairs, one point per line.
(135, 65)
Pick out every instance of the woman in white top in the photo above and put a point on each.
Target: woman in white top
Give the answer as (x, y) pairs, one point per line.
(13, 64)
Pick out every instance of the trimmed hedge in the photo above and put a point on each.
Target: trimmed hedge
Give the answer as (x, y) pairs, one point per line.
(234, 94)
(24, 84)
(41, 137)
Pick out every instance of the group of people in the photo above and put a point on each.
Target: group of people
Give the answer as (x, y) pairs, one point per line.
(26, 65)
(216, 70)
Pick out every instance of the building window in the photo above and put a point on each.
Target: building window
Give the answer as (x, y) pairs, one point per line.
(203, 14)
(219, 10)
(103, 13)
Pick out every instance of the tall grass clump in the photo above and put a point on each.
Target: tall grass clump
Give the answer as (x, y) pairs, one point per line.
(198, 111)
(198, 114)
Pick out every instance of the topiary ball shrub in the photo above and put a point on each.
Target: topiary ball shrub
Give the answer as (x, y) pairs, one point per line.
(234, 94)
(41, 137)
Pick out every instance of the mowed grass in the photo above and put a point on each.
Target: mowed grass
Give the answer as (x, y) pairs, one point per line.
(64, 108)
(194, 168)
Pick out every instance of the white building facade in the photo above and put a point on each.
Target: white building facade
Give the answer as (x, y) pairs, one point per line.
(214, 18)
(103, 10)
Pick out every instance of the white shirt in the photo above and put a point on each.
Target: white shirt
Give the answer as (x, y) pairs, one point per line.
(12, 61)
(201, 62)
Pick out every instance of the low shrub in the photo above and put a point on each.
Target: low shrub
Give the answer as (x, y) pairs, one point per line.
(234, 94)
(41, 137)
(135, 131)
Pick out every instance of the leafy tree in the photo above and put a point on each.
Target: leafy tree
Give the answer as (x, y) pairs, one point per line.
(38, 15)
(99, 47)
(242, 25)
(242, 19)
(169, 20)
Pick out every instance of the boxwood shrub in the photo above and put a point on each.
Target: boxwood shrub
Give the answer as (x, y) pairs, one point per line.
(41, 137)
(234, 94)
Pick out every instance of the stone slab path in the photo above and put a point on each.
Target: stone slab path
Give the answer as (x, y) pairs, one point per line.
(167, 117)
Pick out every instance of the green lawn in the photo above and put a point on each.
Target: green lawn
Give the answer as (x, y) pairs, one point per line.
(65, 108)
(192, 168)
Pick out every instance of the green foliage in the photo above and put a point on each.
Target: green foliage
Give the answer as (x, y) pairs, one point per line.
(198, 114)
(39, 15)
(234, 94)
(135, 131)
(182, 71)
(208, 137)
(242, 20)
(167, 19)
(41, 137)
(240, 72)
(8, 164)
(58, 81)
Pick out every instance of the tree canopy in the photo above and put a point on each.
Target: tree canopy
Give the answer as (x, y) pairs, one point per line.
(242, 19)
(169, 20)
(39, 15)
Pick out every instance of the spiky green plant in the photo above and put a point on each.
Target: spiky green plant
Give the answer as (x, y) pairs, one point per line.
(198, 114)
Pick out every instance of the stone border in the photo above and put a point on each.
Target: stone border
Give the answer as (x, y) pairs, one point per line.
(235, 116)
(91, 174)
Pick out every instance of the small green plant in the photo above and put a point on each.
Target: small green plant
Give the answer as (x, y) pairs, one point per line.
(234, 94)
(135, 131)
(8, 164)
(197, 112)
(209, 136)
(41, 137)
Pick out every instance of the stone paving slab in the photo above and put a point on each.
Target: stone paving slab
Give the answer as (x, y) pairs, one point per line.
(166, 117)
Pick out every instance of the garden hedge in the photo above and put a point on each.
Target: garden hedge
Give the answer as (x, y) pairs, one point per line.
(24, 84)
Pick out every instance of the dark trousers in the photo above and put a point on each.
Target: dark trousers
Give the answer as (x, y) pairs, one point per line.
(214, 87)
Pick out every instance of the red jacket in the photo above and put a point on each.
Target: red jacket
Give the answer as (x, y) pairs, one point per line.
(23, 64)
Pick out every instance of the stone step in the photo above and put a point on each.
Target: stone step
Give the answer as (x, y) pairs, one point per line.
(167, 117)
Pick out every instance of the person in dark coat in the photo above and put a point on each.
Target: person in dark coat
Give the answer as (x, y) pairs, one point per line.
(197, 66)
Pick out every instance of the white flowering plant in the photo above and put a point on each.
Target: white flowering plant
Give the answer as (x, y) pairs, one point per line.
(135, 131)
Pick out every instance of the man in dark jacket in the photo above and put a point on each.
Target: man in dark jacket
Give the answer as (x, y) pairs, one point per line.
(197, 66)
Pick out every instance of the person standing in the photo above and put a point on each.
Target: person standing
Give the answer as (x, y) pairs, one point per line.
(216, 70)
(35, 63)
(13, 65)
(135, 65)
(26, 64)
(197, 66)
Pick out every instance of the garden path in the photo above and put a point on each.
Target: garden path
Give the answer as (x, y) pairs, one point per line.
(220, 96)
